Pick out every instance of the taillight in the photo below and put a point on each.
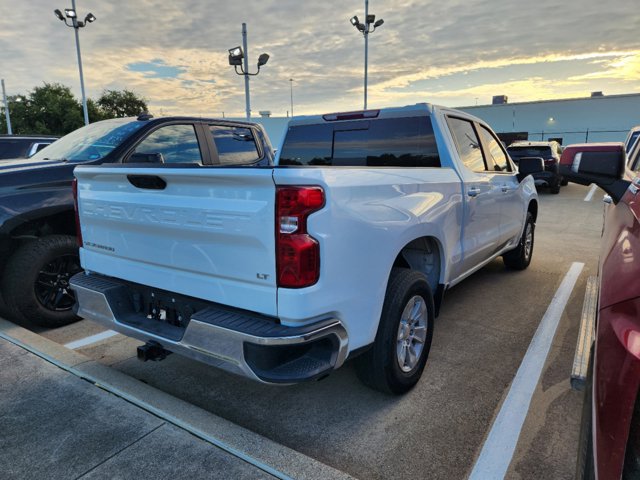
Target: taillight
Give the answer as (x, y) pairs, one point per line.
(297, 252)
(74, 187)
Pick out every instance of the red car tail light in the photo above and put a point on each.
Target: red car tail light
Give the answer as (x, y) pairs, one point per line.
(297, 252)
(74, 187)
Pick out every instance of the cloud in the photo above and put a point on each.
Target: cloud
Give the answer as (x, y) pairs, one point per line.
(175, 53)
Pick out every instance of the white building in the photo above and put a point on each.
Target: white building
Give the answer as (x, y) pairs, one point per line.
(605, 118)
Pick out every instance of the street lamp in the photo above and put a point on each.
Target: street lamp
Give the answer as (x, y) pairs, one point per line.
(291, 83)
(240, 58)
(369, 26)
(72, 15)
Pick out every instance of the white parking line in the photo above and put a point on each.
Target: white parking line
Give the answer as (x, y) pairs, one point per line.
(590, 193)
(83, 342)
(500, 444)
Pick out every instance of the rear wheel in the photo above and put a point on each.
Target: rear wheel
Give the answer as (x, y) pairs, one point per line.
(555, 188)
(36, 281)
(398, 356)
(564, 182)
(520, 257)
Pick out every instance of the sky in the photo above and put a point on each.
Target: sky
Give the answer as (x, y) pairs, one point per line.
(453, 53)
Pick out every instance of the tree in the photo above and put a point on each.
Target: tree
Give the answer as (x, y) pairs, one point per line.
(121, 103)
(48, 110)
(53, 110)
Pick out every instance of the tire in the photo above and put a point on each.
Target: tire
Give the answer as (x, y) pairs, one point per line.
(408, 303)
(564, 182)
(520, 257)
(555, 189)
(35, 281)
(585, 468)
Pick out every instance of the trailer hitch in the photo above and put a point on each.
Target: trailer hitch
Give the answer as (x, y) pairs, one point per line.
(152, 351)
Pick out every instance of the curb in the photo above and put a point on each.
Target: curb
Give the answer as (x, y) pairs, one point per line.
(261, 452)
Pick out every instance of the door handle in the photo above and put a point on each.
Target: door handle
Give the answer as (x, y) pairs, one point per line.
(147, 182)
(473, 191)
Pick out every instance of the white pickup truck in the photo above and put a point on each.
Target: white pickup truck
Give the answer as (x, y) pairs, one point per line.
(341, 250)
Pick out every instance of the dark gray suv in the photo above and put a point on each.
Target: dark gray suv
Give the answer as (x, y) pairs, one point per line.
(550, 152)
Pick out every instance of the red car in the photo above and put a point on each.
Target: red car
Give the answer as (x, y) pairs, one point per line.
(610, 369)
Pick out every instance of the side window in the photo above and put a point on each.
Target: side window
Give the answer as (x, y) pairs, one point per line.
(467, 144)
(235, 145)
(496, 157)
(175, 143)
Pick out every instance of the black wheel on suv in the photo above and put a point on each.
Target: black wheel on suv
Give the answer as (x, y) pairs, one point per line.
(520, 257)
(555, 188)
(36, 281)
(399, 353)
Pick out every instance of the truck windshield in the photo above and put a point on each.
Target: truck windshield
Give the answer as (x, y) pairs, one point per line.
(391, 142)
(92, 142)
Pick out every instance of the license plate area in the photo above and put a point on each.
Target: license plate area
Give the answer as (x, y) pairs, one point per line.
(159, 312)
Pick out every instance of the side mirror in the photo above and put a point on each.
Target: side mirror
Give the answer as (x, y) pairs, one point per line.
(528, 166)
(146, 158)
(599, 163)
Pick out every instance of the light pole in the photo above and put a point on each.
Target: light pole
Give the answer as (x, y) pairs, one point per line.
(6, 109)
(72, 14)
(366, 29)
(291, 83)
(236, 57)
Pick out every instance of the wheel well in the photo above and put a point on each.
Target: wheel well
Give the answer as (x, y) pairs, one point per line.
(61, 223)
(423, 255)
(533, 208)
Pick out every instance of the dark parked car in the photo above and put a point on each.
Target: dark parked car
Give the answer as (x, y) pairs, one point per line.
(608, 354)
(550, 152)
(38, 248)
(23, 146)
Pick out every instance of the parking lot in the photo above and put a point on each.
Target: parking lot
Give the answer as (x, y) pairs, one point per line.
(439, 428)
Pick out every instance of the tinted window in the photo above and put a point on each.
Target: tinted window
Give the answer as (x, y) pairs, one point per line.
(496, 157)
(398, 142)
(632, 140)
(235, 145)
(14, 148)
(40, 146)
(176, 144)
(528, 151)
(467, 144)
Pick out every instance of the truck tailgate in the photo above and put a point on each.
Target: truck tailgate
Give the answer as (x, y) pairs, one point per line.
(203, 232)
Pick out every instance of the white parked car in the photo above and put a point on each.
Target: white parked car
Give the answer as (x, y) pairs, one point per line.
(343, 249)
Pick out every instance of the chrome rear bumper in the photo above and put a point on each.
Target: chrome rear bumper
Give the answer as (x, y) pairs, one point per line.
(240, 342)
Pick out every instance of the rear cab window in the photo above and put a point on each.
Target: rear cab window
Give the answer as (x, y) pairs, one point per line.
(235, 145)
(530, 151)
(467, 144)
(495, 156)
(386, 142)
